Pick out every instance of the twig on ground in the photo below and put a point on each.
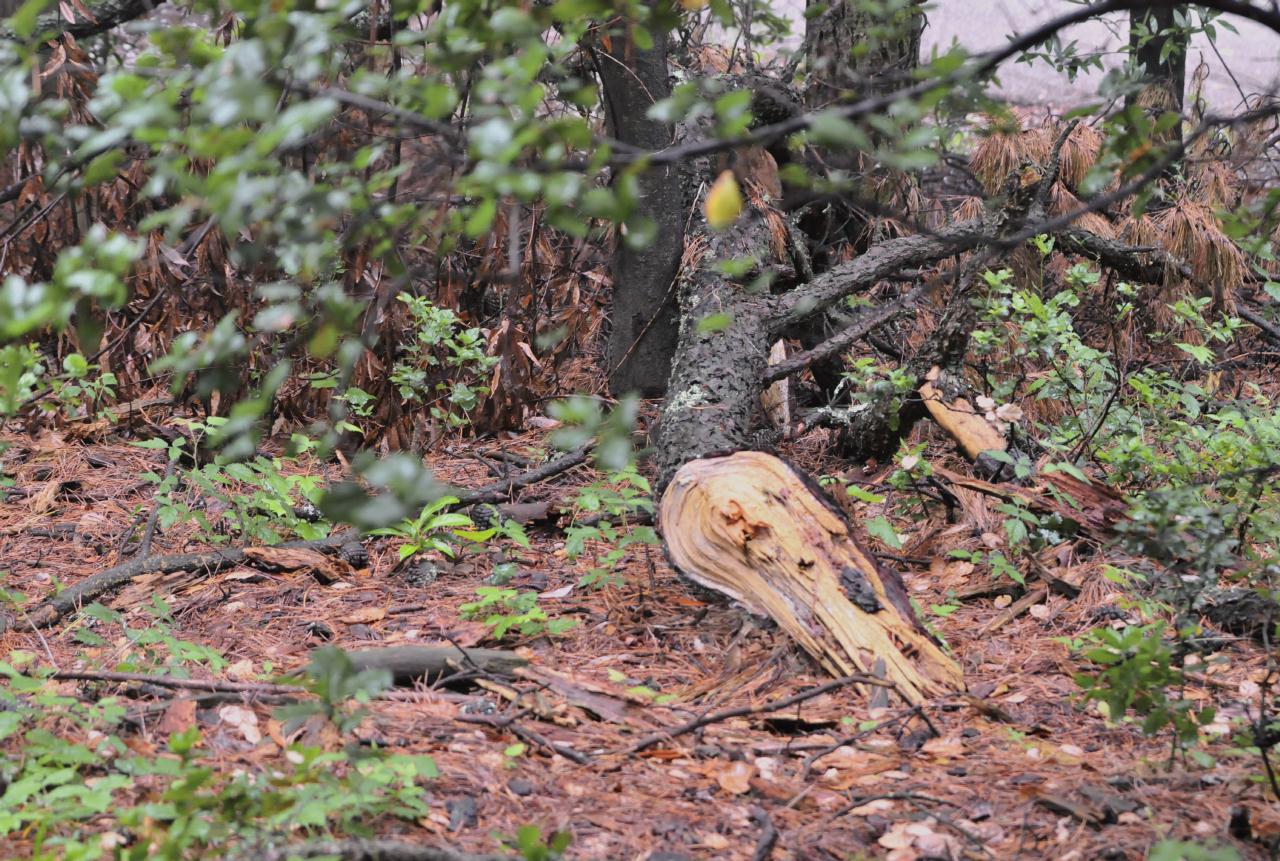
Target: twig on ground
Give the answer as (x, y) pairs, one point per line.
(56, 606)
(509, 723)
(366, 850)
(149, 532)
(211, 685)
(768, 834)
(502, 490)
(763, 708)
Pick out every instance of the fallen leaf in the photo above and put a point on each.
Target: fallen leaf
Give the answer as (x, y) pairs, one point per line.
(365, 615)
(240, 670)
(326, 569)
(715, 841)
(180, 716)
(943, 748)
(736, 778)
(897, 837)
(242, 719)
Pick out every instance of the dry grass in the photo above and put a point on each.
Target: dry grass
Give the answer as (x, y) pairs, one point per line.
(1011, 141)
(968, 209)
(1063, 202)
(1214, 183)
(1190, 232)
(1007, 143)
(1079, 152)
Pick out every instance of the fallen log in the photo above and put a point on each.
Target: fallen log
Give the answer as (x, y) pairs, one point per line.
(749, 526)
(745, 524)
(960, 419)
(409, 664)
(740, 521)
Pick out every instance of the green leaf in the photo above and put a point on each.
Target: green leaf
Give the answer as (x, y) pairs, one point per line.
(879, 527)
(713, 323)
(1199, 352)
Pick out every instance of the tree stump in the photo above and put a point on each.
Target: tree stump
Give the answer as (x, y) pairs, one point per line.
(749, 526)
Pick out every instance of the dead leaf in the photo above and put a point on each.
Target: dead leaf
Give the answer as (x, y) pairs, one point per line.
(944, 748)
(180, 716)
(326, 569)
(736, 778)
(242, 719)
(715, 841)
(241, 670)
(365, 615)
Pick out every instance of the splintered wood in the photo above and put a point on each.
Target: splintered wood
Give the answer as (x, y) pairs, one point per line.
(750, 527)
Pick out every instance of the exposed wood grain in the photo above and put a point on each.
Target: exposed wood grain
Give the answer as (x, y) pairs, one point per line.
(749, 526)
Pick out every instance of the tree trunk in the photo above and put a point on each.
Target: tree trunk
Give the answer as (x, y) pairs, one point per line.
(742, 522)
(644, 316)
(1163, 58)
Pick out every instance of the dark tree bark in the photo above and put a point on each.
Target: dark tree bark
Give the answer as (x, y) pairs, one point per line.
(645, 315)
(1163, 58)
(851, 53)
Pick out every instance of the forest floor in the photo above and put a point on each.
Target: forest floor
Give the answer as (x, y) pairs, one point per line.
(1016, 768)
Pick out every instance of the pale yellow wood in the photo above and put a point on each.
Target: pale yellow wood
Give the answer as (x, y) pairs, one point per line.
(748, 526)
(961, 420)
(776, 399)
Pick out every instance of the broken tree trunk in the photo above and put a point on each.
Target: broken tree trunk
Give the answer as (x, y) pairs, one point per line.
(740, 521)
(744, 523)
(749, 526)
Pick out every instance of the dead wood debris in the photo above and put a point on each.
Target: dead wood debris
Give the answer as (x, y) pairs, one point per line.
(830, 773)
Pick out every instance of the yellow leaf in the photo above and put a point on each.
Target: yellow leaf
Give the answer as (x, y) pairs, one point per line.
(724, 202)
(693, 5)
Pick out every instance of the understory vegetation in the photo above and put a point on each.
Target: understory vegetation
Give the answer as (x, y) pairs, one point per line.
(349, 350)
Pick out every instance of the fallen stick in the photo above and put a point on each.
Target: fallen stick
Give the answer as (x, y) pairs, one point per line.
(509, 723)
(501, 490)
(1016, 609)
(768, 835)
(211, 685)
(408, 664)
(56, 606)
(367, 850)
(764, 708)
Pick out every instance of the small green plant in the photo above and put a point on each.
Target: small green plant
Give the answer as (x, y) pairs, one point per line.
(58, 790)
(436, 528)
(261, 500)
(529, 842)
(612, 507)
(1139, 673)
(1180, 850)
(79, 392)
(152, 646)
(506, 610)
(335, 681)
(443, 362)
(20, 370)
